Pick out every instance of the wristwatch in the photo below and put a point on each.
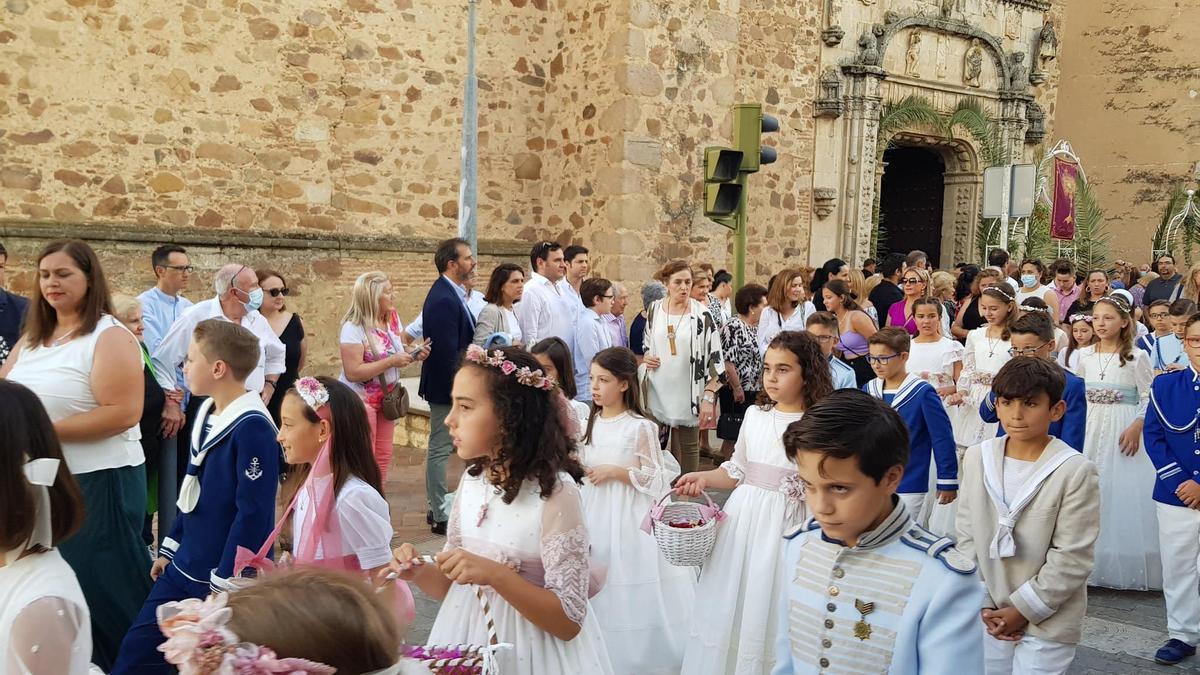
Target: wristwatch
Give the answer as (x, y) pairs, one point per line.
(709, 396)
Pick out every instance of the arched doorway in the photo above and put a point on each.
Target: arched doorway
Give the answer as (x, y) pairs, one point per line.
(911, 201)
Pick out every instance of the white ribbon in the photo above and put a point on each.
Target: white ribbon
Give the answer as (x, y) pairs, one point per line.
(41, 474)
(1003, 545)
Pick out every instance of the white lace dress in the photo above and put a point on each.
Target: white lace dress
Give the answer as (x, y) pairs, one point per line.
(546, 540)
(1127, 550)
(643, 595)
(982, 359)
(934, 363)
(734, 623)
(44, 622)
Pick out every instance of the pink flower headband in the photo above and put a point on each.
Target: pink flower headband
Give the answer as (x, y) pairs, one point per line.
(313, 392)
(199, 642)
(530, 378)
(1079, 317)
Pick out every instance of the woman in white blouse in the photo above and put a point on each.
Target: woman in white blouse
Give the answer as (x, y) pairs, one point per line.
(87, 370)
(787, 306)
(497, 318)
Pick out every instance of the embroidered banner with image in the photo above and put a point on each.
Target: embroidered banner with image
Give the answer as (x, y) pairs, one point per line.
(1062, 213)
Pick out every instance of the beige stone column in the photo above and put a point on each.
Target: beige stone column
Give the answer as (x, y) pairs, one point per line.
(860, 180)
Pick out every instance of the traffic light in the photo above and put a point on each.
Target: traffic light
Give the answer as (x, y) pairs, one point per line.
(749, 123)
(722, 189)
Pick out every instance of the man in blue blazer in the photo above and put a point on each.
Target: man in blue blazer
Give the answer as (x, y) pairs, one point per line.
(12, 312)
(449, 326)
(1033, 335)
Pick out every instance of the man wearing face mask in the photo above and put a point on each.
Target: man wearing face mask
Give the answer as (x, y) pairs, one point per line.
(238, 299)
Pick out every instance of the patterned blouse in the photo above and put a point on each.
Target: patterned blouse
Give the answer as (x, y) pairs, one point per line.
(716, 310)
(739, 341)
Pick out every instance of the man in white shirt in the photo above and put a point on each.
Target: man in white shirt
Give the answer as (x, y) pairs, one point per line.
(549, 306)
(238, 299)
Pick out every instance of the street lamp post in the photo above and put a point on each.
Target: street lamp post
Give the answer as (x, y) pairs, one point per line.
(470, 144)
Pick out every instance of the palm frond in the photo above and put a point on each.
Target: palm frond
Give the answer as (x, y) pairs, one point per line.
(1185, 236)
(907, 113)
(971, 116)
(1091, 235)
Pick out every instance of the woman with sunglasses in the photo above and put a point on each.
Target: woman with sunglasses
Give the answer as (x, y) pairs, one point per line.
(288, 328)
(915, 284)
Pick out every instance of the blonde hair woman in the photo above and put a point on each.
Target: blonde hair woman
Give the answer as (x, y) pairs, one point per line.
(858, 287)
(941, 288)
(915, 284)
(1190, 288)
(373, 353)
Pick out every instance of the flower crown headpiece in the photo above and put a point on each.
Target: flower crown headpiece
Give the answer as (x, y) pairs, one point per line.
(313, 392)
(1007, 296)
(495, 359)
(1117, 301)
(1079, 317)
(1039, 310)
(199, 642)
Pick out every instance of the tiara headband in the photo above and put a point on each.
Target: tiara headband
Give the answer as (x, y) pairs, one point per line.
(1030, 308)
(1116, 301)
(495, 359)
(313, 392)
(1079, 317)
(200, 642)
(1002, 292)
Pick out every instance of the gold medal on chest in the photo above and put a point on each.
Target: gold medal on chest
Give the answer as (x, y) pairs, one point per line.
(862, 629)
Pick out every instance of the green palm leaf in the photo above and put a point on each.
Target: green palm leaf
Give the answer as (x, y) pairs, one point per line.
(907, 113)
(1091, 235)
(971, 116)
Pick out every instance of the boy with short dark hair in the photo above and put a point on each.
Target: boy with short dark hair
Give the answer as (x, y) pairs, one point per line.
(1158, 316)
(929, 432)
(227, 501)
(1033, 335)
(1035, 568)
(873, 591)
(1168, 354)
(1172, 437)
(824, 327)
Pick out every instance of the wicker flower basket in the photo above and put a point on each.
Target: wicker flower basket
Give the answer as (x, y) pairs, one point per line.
(685, 531)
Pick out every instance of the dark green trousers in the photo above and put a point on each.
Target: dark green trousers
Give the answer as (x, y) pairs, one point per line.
(108, 556)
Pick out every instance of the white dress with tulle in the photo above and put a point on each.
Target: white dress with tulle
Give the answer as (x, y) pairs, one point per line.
(934, 363)
(1127, 550)
(546, 542)
(643, 595)
(734, 623)
(44, 622)
(982, 359)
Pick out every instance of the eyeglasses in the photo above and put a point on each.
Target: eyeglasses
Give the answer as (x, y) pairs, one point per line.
(878, 360)
(1027, 351)
(1192, 342)
(824, 338)
(1159, 315)
(186, 269)
(276, 292)
(907, 282)
(607, 297)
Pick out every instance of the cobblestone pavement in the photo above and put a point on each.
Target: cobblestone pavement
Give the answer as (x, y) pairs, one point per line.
(1121, 632)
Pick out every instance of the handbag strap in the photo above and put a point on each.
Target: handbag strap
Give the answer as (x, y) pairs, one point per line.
(383, 385)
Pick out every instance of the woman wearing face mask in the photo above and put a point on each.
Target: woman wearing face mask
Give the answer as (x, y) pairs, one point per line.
(1032, 271)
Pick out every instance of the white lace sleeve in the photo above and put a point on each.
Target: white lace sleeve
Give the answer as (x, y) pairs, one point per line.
(364, 517)
(565, 550)
(654, 469)
(43, 637)
(952, 355)
(1142, 376)
(454, 525)
(735, 466)
(968, 369)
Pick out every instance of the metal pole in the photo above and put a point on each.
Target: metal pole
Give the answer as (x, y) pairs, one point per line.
(470, 145)
(739, 235)
(1005, 193)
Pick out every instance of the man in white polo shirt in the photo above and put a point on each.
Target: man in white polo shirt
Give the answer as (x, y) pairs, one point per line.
(549, 306)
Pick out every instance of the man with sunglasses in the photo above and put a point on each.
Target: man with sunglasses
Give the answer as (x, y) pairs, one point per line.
(549, 307)
(1033, 335)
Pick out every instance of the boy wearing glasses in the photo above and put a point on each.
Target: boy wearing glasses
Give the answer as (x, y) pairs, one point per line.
(1172, 436)
(1029, 517)
(1033, 335)
(824, 327)
(929, 432)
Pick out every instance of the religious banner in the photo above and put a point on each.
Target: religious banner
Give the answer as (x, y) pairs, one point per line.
(1062, 214)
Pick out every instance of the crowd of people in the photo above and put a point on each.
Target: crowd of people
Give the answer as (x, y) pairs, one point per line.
(1042, 416)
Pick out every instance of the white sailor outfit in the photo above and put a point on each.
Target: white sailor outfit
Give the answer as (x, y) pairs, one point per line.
(902, 601)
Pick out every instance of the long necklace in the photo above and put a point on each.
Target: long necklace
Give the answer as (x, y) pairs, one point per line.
(992, 344)
(672, 330)
(492, 491)
(1105, 364)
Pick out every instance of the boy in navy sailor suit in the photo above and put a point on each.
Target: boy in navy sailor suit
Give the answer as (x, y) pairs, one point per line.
(227, 500)
(1172, 436)
(929, 430)
(1033, 335)
(869, 590)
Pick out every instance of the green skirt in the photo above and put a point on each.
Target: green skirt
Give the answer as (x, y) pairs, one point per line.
(108, 556)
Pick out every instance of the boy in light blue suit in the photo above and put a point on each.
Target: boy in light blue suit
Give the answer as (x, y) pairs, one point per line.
(824, 327)
(873, 591)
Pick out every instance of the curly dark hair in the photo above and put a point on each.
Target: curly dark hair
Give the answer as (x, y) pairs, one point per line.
(814, 367)
(535, 438)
